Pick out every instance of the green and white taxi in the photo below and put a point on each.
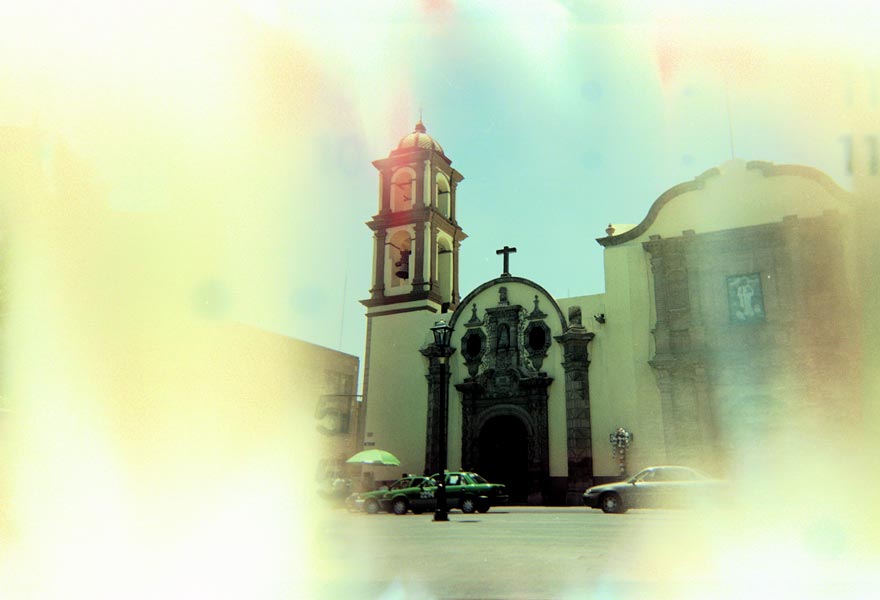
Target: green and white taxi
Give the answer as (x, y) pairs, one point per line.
(465, 491)
(372, 502)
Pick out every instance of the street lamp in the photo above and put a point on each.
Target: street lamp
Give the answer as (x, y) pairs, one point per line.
(620, 441)
(442, 333)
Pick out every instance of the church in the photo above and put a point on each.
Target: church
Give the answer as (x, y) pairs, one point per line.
(716, 329)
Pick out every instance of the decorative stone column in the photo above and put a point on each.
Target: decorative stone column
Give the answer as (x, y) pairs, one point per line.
(436, 380)
(574, 343)
(456, 245)
(471, 391)
(378, 290)
(663, 372)
(418, 280)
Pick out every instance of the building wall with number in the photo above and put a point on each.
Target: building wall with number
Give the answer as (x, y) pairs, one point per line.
(326, 380)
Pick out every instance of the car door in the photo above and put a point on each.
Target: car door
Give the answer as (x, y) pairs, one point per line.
(455, 484)
(422, 496)
(669, 487)
(685, 488)
(645, 491)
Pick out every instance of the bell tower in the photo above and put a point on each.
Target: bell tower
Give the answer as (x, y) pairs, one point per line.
(415, 278)
(416, 236)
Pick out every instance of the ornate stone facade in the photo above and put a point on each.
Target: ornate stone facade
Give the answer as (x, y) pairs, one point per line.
(718, 374)
(507, 384)
(505, 396)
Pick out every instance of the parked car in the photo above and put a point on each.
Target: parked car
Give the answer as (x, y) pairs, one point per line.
(465, 491)
(656, 487)
(371, 502)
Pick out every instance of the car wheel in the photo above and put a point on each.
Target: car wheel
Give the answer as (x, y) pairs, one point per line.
(371, 506)
(399, 507)
(468, 505)
(483, 507)
(611, 503)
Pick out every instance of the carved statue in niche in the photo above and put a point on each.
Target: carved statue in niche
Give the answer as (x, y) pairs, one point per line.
(574, 316)
(503, 336)
(502, 296)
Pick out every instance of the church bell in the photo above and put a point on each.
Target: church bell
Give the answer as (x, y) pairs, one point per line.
(403, 265)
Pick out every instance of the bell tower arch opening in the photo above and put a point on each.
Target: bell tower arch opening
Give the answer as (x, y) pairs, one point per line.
(399, 259)
(443, 195)
(403, 189)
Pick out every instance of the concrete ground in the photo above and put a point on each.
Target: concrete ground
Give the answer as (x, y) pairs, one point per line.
(558, 552)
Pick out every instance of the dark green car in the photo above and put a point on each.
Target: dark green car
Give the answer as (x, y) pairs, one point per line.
(372, 502)
(465, 491)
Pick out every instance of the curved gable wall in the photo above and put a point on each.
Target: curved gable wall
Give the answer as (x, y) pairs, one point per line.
(737, 194)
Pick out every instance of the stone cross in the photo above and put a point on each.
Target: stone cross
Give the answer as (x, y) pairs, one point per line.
(506, 251)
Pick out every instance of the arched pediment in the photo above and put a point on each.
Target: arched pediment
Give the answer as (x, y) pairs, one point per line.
(465, 308)
(766, 172)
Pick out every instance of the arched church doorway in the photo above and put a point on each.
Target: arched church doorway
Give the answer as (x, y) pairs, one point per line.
(503, 455)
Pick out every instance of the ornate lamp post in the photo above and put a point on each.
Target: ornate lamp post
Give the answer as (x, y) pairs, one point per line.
(442, 334)
(620, 441)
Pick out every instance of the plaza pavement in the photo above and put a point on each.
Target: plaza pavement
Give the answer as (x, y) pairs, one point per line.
(572, 553)
(509, 552)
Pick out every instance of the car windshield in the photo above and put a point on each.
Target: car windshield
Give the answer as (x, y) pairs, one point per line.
(477, 478)
(667, 474)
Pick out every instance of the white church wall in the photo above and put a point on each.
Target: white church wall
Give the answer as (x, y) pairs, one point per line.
(397, 389)
(620, 375)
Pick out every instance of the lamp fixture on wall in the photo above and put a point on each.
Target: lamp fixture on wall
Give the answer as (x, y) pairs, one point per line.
(600, 318)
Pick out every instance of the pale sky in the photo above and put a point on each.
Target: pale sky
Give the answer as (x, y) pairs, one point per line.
(566, 116)
(261, 118)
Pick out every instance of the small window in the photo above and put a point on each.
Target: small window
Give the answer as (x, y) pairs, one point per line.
(473, 345)
(537, 339)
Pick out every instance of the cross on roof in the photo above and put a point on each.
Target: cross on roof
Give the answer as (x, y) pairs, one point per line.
(506, 251)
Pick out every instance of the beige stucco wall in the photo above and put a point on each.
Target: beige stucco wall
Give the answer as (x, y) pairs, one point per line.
(623, 388)
(397, 389)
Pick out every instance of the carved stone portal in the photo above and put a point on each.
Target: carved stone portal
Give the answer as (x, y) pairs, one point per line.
(504, 404)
